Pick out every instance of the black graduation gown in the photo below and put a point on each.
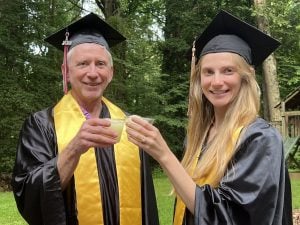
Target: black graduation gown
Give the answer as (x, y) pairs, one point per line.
(36, 183)
(255, 190)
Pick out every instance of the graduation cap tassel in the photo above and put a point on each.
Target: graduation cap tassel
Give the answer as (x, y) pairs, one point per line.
(192, 74)
(65, 70)
(66, 43)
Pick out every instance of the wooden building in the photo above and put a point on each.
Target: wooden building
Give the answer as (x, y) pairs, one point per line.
(289, 126)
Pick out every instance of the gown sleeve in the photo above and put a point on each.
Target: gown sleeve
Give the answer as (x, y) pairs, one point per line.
(252, 190)
(35, 180)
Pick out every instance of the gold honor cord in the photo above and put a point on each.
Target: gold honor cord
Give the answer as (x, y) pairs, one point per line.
(68, 119)
(180, 206)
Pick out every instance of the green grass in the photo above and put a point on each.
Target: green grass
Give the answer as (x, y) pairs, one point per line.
(165, 201)
(10, 216)
(295, 193)
(8, 210)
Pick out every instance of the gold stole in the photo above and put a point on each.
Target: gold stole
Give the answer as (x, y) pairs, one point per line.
(68, 119)
(180, 206)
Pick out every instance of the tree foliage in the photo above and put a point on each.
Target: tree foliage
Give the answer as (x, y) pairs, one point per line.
(151, 69)
(29, 77)
(285, 17)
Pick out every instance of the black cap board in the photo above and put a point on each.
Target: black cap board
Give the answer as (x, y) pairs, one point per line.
(89, 29)
(227, 33)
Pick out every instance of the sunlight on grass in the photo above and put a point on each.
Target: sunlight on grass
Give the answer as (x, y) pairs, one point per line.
(165, 201)
(8, 210)
(295, 193)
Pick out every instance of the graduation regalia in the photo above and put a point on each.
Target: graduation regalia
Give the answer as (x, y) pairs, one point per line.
(110, 186)
(36, 182)
(255, 189)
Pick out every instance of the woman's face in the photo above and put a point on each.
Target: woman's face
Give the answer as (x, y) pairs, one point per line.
(220, 80)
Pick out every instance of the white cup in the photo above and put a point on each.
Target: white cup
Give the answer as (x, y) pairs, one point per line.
(148, 119)
(117, 125)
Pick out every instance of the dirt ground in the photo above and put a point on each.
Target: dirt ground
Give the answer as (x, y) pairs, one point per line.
(296, 217)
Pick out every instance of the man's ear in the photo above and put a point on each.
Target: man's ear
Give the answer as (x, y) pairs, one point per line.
(111, 75)
(64, 71)
(62, 68)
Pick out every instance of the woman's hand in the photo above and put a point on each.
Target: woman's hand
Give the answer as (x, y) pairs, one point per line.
(147, 137)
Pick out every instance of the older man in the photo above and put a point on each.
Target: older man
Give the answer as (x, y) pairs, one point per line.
(70, 167)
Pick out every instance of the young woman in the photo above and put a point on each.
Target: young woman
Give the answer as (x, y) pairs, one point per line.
(233, 170)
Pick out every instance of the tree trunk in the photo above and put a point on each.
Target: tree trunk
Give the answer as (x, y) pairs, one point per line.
(272, 96)
(108, 7)
(272, 89)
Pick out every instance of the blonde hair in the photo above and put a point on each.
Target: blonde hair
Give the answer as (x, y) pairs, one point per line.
(242, 111)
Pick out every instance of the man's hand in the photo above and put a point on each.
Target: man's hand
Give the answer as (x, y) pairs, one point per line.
(94, 132)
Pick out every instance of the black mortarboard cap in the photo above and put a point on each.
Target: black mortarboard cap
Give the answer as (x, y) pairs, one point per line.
(227, 33)
(89, 29)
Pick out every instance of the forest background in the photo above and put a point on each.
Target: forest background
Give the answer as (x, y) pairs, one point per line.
(152, 67)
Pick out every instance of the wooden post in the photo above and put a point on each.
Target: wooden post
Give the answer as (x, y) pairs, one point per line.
(283, 119)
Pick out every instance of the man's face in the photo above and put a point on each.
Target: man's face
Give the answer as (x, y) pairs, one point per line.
(89, 72)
